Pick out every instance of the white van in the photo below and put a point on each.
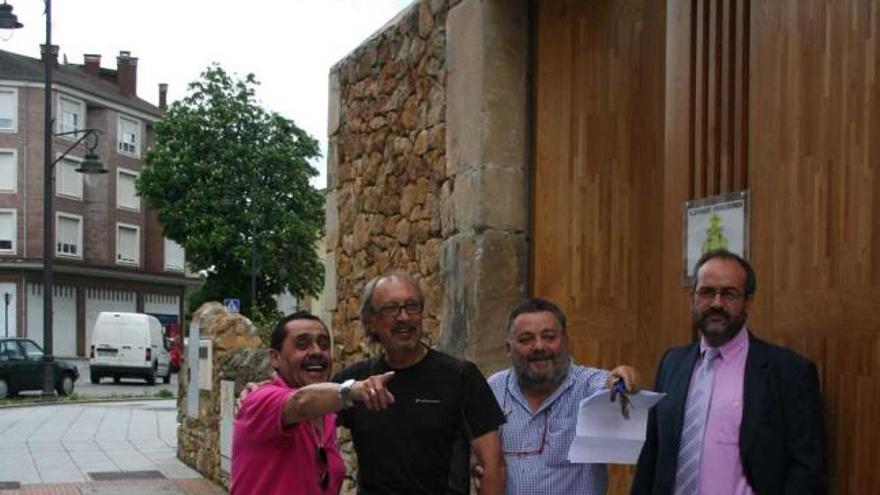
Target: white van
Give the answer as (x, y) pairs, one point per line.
(128, 345)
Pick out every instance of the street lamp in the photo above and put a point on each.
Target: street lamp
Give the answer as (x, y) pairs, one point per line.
(89, 165)
(8, 20)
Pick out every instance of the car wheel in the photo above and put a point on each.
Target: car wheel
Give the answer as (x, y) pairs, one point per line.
(4, 389)
(115, 378)
(65, 386)
(95, 378)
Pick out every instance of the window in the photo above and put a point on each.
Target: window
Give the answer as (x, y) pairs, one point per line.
(68, 182)
(10, 351)
(127, 244)
(32, 350)
(8, 230)
(68, 235)
(126, 194)
(8, 171)
(71, 116)
(129, 136)
(8, 110)
(174, 255)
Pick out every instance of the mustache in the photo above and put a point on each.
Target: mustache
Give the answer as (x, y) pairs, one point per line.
(315, 361)
(539, 355)
(713, 312)
(404, 326)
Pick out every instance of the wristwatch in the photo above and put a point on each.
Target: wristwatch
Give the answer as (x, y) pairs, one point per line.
(345, 393)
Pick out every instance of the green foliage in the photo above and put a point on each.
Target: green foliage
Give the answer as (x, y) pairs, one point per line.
(225, 175)
(164, 394)
(263, 322)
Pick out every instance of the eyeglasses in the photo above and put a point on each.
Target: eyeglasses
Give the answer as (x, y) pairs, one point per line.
(411, 308)
(728, 295)
(536, 451)
(324, 477)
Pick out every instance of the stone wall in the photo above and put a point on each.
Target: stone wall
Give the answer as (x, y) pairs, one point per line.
(428, 172)
(388, 181)
(237, 356)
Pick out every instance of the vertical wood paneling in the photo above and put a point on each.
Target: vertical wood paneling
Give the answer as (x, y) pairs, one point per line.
(598, 174)
(551, 194)
(597, 79)
(816, 182)
(720, 83)
(777, 96)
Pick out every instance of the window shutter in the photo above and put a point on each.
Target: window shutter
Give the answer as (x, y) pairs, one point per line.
(7, 231)
(7, 109)
(8, 175)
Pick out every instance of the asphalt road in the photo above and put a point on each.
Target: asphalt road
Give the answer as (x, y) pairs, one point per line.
(127, 387)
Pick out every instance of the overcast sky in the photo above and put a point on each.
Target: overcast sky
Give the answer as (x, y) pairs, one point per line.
(289, 45)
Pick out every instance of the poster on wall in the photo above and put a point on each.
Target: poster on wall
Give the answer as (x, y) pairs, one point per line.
(718, 222)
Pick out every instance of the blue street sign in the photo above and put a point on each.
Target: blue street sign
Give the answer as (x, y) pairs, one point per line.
(232, 305)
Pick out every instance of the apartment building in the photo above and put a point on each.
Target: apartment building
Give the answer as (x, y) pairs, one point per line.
(110, 253)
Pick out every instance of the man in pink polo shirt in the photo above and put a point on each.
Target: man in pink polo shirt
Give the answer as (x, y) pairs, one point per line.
(284, 439)
(742, 416)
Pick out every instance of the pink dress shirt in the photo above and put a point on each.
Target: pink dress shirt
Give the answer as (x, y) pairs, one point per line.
(721, 471)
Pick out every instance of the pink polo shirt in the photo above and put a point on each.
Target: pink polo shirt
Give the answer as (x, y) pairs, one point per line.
(270, 460)
(721, 471)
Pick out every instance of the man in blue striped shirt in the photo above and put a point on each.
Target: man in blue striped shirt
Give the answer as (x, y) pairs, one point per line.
(539, 395)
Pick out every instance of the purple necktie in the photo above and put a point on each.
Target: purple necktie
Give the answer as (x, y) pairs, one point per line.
(687, 476)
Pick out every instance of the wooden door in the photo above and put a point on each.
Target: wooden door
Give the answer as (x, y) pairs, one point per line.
(598, 174)
(640, 106)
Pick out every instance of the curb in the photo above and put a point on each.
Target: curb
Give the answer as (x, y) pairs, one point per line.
(96, 400)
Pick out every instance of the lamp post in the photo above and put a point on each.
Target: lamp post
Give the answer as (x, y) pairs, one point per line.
(7, 297)
(89, 165)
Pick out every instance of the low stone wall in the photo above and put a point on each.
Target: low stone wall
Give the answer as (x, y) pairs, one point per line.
(237, 355)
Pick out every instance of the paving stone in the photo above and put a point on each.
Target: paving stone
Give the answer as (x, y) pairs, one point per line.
(50, 449)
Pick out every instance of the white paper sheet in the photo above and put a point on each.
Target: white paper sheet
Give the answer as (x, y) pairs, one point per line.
(603, 435)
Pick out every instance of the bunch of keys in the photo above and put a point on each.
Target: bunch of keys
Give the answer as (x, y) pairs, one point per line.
(619, 390)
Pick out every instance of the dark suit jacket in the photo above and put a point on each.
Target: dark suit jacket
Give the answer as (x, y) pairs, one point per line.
(781, 439)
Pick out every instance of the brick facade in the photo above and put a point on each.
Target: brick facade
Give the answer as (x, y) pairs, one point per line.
(97, 266)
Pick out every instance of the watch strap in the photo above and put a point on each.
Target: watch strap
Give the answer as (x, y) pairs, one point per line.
(345, 393)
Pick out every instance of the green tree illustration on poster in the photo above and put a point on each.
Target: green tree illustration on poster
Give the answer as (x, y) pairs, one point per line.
(714, 235)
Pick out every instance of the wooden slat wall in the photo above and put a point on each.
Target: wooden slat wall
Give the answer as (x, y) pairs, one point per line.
(599, 119)
(719, 78)
(599, 148)
(815, 162)
(641, 106)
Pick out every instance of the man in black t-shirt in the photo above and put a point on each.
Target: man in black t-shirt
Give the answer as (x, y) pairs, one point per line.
(419, 445)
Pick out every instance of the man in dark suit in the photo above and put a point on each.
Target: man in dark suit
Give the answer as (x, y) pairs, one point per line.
(742, 416)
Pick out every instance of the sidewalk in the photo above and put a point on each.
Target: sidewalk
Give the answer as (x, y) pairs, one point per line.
(156, 487)
(104, 448)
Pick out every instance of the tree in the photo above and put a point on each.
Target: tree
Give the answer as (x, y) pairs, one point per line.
(230, 179)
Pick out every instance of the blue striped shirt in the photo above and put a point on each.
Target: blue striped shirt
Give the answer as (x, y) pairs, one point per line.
(536, 444)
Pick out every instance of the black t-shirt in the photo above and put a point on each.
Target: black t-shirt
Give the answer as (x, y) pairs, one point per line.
(420, 445)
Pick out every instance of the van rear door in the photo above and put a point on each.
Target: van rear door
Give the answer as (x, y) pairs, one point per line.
(134, 341)
(106, 339)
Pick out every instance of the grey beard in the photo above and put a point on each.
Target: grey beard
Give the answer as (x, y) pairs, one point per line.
(527, 378)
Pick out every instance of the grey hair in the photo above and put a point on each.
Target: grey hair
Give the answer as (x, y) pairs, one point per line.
(366, 305)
